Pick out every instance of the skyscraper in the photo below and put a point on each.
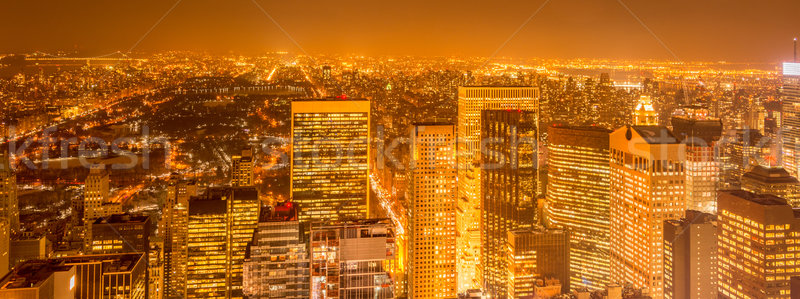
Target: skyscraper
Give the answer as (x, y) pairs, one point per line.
(790, 122)
(9, 210)
(352, 259)
(174, 225)
(757, 241)
(5, 249)
(772, 180)
(508, 186)
(221, 223)
(537, 254)
(96, 194)
(330, 164)
(432, 207)
(121, 233)
(690, 256)
(471, 101)
(644, 114)
(700, 133)
(739, 149)
(647, 187)
(277, 262)
(578, 200)
(242, 169)
(122, 275)
(155, 268)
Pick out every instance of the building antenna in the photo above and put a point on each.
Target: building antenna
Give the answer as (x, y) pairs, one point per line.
(795, 50)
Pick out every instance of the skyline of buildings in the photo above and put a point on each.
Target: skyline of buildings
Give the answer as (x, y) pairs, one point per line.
(430, 181)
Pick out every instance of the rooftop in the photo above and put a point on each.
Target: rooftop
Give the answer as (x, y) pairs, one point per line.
(31, 273)
(770, 175)
(762, 199)
(112, 263)
(337, 98)
(122, 218)
(656, 134)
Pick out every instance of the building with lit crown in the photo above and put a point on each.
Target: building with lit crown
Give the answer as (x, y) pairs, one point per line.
(644, 114)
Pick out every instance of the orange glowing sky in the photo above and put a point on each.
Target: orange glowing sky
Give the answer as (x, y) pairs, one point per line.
(742, 30)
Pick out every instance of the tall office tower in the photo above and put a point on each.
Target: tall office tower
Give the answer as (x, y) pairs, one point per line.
(700, 133)
(277, 264)
(757, 237)
(121, 233)
(508, 184)
(122, 275)
(221, 224)
(155, 269)
(537, 254)
(352, 259)
(772, 180)
(174, 228)
(690, 256)
(330, 163)
(242, 169)
(468, 232)
(644, 114)
(5, 249)
(95, 196)
(432, 210)
(790, 117)
(471, 101)
(647, 173)
(739, 149)
(578, 200)
(9, 210)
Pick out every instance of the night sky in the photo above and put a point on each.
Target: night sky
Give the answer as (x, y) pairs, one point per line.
(741, 31)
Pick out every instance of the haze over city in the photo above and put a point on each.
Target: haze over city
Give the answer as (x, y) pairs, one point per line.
(418, 149)
(738, 31)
